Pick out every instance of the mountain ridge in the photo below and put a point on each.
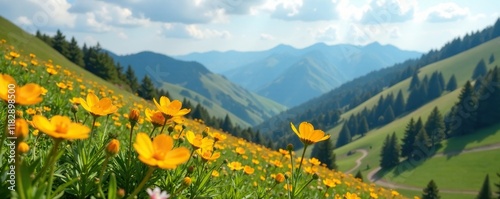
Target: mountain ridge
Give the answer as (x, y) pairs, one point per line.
(192, 75)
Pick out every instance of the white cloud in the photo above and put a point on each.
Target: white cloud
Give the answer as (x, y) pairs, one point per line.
(39, 13)
(446, 12)
(389, 11)
(307, 10)
(395, 33)
(177, 30)
(266, 37)
(24, 21)
(189, 11)
(122, 35)
(328, 34)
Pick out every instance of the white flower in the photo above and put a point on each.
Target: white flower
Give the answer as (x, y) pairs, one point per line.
(157, 194)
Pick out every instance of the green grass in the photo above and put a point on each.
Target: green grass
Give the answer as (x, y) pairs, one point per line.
(462, 172)
(348, 162)
(486, 136)
(409, 193)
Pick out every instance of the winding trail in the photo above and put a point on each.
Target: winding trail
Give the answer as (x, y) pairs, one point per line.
(358, 161)
(379, 181)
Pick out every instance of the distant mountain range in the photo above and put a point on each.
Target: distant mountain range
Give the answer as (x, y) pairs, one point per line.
(193, 81)
(292, 76)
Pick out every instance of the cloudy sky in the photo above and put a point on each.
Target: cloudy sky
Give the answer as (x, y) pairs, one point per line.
(177, 27)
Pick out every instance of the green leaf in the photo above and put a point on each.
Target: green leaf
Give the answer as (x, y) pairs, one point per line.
(112, 187)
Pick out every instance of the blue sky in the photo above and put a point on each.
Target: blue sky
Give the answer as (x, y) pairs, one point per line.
(177, 27)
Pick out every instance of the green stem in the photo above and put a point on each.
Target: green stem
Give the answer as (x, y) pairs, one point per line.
(143, 182)
(152, 131)
(101, 174)
(105, 129)
(164, 124)
(298, 170)
(19, 179)
(293, 173)
(92, 128)
(130, 143)
(76, 119)
(302, 188)
(52, 155)
(52, 167)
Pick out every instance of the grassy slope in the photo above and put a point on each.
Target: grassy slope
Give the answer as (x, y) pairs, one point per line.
(462, 66)
(349, 162)
(214, 109)
(443, 195)
(456, 172)
(271, 107)
(28, 43)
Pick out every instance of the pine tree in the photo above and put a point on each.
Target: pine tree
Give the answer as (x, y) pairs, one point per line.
(498, 187)
(388, 115)
(409, 139)
(75, 54)
(359, 175)
(132, 79)
(60, 44)
(441, 81)
(323, 151)
(492, 58)
(463, 114)
(147, 89)
(353, 125)
(363, 126)
(422, 141)
(435, 87)
(485, 192)
(379, 109)
(399, 104)
(227, 125)
(344, 136)
(488, 111)
(452, 84)
(431, 191)
(390, 152)
(435, 127)
(100, 63)
(415, 82)
(480, 70)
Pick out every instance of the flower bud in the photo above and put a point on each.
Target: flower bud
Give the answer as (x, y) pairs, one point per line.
(170, 129)
(186, 181)
(23, 148)
(279, 178)
(133, 116)
(74, 108)
(289, 147)
(21, 129)
(113, 147)
(121, 193)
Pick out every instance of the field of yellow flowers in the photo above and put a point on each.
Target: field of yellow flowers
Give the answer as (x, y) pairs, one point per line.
(68, 137)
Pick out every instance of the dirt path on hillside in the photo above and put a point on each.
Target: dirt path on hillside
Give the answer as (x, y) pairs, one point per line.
(377, 180)
(358, 161)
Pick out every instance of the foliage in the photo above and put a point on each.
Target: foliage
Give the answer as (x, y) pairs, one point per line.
(485, 192)
(431, 191)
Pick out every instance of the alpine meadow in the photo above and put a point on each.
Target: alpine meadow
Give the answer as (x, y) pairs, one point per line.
(225, 99)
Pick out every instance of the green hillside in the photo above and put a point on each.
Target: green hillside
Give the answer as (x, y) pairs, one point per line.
(28, 43)
(461, 66)
(195, 77)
